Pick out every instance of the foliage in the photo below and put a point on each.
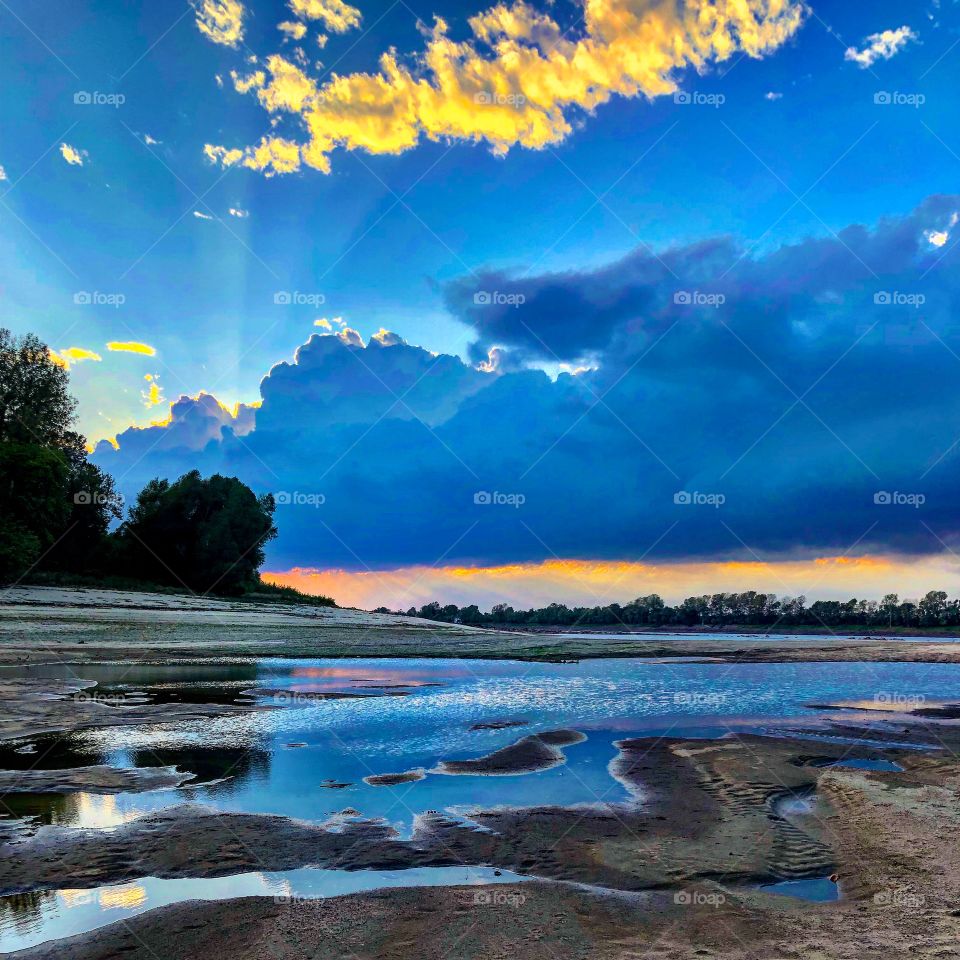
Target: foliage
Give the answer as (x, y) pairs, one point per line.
(204, 535)
(56, 507)
(718, 610)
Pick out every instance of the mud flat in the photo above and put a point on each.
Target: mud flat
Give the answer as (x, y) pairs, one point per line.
(539, 751)
(673, 875)
(44, 624)
(95, 779)
(395, 779)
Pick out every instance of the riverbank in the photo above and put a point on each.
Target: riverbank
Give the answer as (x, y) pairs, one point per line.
(44, 624)
(674, 855)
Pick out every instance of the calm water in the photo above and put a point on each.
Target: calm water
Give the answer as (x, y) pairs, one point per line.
(414, 714)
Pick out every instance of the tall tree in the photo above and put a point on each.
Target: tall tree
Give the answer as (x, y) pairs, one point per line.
(206, 535)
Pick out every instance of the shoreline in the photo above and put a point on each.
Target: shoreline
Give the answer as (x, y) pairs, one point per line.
(679, 863)
(52, 625)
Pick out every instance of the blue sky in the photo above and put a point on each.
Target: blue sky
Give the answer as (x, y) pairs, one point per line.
(785, 147)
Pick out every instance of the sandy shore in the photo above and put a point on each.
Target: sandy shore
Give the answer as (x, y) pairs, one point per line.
(671, 872)
(42, 624)
(672, 878)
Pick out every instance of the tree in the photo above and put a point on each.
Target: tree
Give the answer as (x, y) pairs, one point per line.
(206, 535)
(35, 406)
(55, 506)
(33, 504)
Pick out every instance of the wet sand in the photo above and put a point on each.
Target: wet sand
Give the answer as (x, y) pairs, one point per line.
(670, 872)
(539, 751)
(671, 881)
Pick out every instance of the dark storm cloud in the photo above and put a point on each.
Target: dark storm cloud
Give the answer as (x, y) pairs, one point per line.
(795, 403)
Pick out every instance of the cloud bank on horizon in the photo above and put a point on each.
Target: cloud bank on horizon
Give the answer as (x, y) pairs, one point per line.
(518, 80)
(725, 405)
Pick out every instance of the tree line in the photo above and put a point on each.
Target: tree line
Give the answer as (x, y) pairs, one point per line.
(750, 608)
(59, 511)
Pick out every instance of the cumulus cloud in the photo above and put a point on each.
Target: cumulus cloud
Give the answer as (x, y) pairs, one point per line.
(3, 173)
(131, 346)
(810, 387)
(880, 46)
(517, 81)
(192, 423)
(337, 16)
(239, 212)
(221, 21)
(72, 155)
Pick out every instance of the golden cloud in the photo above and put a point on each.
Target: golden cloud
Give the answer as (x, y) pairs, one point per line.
(335, 14)
(72, 155)
(131, 346)
(293, 29)
(70, 355)
(153, 395)
(514, 83)
(221, 21)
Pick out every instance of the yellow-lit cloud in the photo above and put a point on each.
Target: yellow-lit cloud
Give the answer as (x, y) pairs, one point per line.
(337, 16)
(131, 346)
(515, 82)
(70, 355)
(592, 583)
(72, 155)
(153, 395)
(221, 21)
(293, 29)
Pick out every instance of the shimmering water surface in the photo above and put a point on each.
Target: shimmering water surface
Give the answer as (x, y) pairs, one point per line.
(397, 715)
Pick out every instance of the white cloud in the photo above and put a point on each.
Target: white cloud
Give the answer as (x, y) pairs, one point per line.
(772, 95)
(3, 174)
(202, 216)
(880, 46)
(221, 21)
(72, 155)
(239, 212)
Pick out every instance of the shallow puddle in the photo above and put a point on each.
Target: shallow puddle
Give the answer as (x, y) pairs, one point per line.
(818, 889)
(29, 919)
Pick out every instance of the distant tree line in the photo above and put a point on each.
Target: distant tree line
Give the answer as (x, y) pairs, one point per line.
(57, 508)
(715, 610)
